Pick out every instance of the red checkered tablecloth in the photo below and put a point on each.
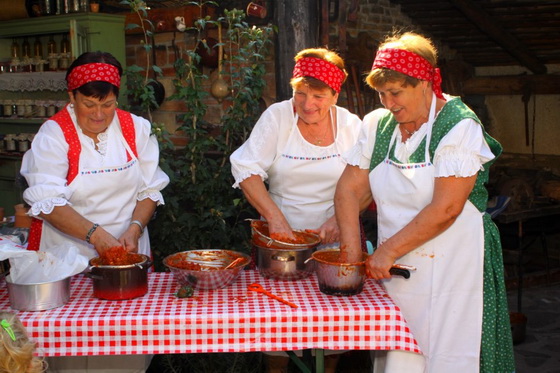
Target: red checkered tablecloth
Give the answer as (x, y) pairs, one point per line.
(232, 319)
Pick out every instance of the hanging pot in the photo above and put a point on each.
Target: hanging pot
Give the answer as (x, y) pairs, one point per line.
(119, 282)
(208, 53)
(159, 91)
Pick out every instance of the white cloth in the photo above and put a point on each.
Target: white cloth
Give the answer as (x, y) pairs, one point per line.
(106, 188)
(301, 176)
(442, 300)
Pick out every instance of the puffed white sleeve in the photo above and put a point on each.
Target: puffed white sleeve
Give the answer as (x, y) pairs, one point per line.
(45, 167)
(153, 177)
(463, 151)
(257, 154)
(360, 154)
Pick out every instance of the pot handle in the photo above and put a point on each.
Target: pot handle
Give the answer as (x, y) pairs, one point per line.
(148, 264)
(92, 276)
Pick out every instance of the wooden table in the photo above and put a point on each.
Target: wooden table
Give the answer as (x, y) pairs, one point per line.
(231, 319)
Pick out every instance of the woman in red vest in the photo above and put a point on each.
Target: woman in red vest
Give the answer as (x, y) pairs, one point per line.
(93, 171)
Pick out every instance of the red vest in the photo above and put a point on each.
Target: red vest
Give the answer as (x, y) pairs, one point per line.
(74, 149)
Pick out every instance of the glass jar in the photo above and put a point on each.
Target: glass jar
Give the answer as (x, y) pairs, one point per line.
(38, 48)
(51, 46)
(40, 109)
(14, 49)
(25, 48)
(8, 108)
(20, 108)
(53, 62)
(29, 108)
(10, 143)
(51, 108)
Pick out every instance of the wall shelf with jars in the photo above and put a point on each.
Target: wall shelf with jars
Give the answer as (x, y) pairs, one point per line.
(34, 56)
(33, 86)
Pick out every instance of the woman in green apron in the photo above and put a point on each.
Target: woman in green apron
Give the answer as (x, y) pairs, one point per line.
(424, 160)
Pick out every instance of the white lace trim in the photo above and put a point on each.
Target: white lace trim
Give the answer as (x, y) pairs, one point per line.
(102, 144)
(246, 175)
(451, 161)
(152, 194)
(46, 206)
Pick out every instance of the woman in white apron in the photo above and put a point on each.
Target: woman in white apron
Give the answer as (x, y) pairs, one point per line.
(297, 147)
(425, 161)
(94, 181)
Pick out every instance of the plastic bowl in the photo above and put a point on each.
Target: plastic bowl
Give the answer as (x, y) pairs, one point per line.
(205, 269)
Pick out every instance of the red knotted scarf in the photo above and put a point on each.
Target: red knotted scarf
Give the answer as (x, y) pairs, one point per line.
(93, 72)
(410, 64)
(317, 68)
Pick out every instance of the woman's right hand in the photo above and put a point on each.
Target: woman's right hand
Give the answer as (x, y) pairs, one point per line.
(379, 263)
(103, 240)
(280, 227)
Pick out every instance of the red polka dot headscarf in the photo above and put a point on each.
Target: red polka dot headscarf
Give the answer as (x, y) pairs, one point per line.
(93, 72)
(317, 68)
(410, 64)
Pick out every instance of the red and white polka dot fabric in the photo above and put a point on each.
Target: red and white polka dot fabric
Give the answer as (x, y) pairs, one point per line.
(320, 69)
(93, 72)
(232, 319)
(410, 64)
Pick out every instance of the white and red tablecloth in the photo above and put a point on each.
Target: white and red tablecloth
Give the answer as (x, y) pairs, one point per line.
(232, 319)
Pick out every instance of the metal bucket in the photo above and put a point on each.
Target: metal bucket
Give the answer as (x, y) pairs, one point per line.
(40, 296)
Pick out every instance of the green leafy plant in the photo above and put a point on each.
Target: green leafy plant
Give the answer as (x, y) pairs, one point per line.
(140, 84)
(202, 210)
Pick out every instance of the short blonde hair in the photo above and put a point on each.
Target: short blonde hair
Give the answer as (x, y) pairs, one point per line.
(324, 54)
(17, 356)
(408, 41)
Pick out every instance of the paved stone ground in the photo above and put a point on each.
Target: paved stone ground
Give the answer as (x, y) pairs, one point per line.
(540, 351)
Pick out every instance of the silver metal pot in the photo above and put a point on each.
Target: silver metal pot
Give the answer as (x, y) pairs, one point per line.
(40, 296)
(336, 278)
(280, 260)
(283, 264)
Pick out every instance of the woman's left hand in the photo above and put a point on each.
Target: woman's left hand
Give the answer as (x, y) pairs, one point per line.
(329, 231)
(130, 237)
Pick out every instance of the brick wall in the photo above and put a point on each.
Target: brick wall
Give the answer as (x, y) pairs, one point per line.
(374, 19)
(169, 46)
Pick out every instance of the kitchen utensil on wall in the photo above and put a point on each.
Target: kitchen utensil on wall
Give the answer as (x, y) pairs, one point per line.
(257, 9)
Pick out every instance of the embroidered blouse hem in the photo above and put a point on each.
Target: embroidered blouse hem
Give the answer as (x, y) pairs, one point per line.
(247, 174)
(457, 162)
(152, 194)
(46, 206)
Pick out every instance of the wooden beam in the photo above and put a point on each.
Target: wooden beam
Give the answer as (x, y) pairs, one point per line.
(297, 22)
(512, 85)
(507, 41)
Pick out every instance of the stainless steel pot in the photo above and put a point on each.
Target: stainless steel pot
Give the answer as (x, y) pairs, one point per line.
(283, 264)
(39, 296)
(336, 278)
(280, 260)
(119, 282)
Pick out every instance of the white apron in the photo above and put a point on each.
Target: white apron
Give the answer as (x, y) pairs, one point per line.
(442, 299)
(105, 195)
(302, 180)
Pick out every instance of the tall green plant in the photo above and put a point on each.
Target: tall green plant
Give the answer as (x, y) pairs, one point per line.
(139, 88)
(202, 210)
